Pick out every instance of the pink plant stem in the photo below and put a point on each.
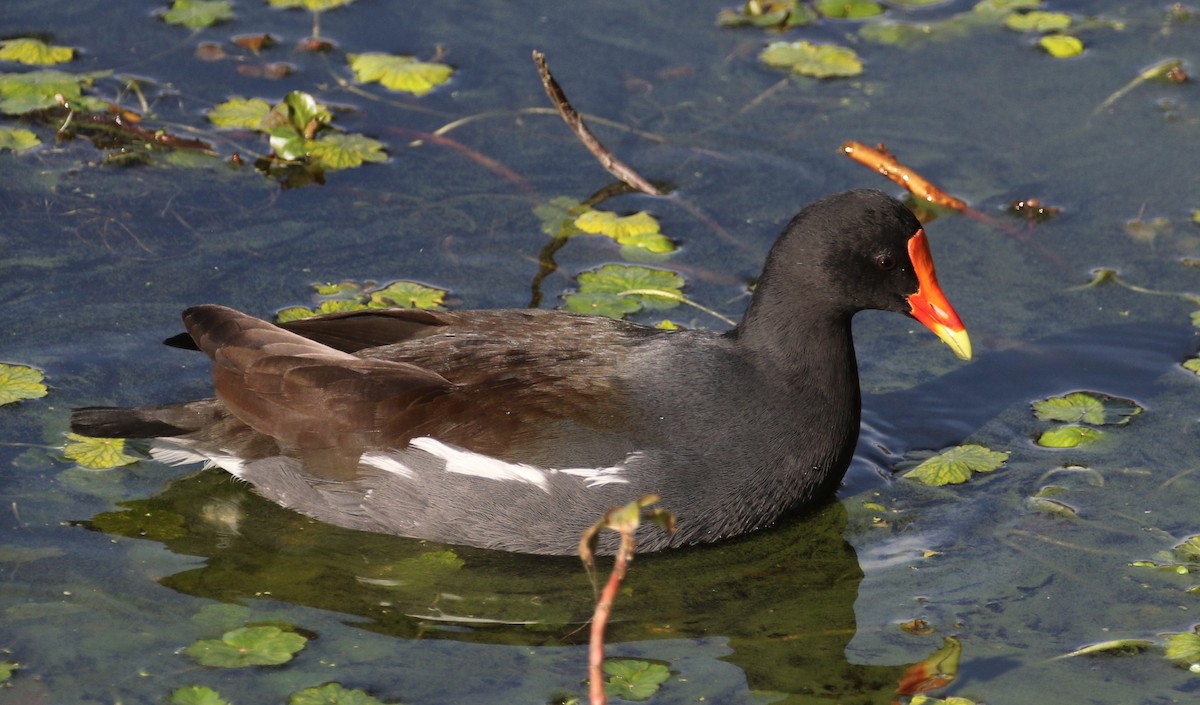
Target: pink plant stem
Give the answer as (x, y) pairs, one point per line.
(599, 622)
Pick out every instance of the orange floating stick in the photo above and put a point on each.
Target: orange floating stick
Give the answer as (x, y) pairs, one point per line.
(882, 161)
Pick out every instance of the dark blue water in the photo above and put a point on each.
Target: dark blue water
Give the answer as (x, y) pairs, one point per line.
(96, 261)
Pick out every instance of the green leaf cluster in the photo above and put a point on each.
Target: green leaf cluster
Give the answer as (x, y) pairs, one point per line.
(34, 52)
(6, 671)
(1079, 408)
(639, 230)
(617, 290)
(399, 73)
(248, 646)
(777, 14)
(22, 93)
(20, 382)
(816, 60)
(300, 130)
(310, 5)
(355, 296)
(196, 695)
(630, 679)
(1184, 649)
(140, 520)
(957, 465)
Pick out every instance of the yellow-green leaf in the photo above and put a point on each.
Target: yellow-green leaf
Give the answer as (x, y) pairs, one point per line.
(17, 140)
(34, 52)
(346, 151)
(241, 113)
(1069, 436)
(1061, 46)
(1038, 21)
(1081, 407)
(399, 73)
(19, 382)
(37, 90)
(614, 226)
(849, 9)
(1184, 649)
(97, 453)
(816, 60)
(957, 465)
(406, 294)
(198, 14)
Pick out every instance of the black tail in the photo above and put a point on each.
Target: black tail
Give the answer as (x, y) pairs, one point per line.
(144, 422)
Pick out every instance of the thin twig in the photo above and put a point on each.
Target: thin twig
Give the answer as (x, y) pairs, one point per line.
(606, 158)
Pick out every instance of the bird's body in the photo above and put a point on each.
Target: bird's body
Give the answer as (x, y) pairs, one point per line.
(517, 429)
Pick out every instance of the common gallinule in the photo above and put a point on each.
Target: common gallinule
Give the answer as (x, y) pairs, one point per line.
(517, 429)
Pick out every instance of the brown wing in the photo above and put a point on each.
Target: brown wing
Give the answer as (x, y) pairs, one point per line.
(314, 400)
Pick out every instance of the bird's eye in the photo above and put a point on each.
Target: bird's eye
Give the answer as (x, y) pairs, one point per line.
(885, 262)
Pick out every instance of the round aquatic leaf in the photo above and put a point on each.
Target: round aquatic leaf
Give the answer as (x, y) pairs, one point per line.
(1038, 21)
(346, 151)
(617, 227)
(405, 294)
(1001, 8)
(6, 670)
(20, 382)
(196, 695)
(816, 60)
(1081, 407)
(1061, 46)
(332, 694)
(1069, 436)
(241, 113)
(17, 140)
(655, 243)
(849, 9)
(313, 5)
(247, 646)
(97, 453)
(37, 90)
(198, 14)
(615, 290)
(1188, 550)
(1184, 649)
(630, 679)
(399, 73)
(34, 52)
(957, 465)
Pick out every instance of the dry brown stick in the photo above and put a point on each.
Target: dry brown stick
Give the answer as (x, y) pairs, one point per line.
(573, 119)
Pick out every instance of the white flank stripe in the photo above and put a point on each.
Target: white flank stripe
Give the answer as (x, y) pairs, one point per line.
(386, 462)
(465, 462)
(594, 477)
(171, 454)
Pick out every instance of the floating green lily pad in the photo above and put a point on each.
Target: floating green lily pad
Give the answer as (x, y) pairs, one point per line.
(1082, 407)
(196, 695)
(616, 290)
(1038, 21)
(1001, 8)
(37, 90)
(957, 465)
(399, 73)
(198, 14)
(248, 646)
(1188, 550)
(557, 216)
(630, 679)
(97, 453)
(333, 694)
(849, 9)
(6, 671)
(20, 382)
(34, 52)
(241, 113)
(816, 60)
(1061, 46)
(346, 151)
(406, 294)
(17, 140)
(1069, 436)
